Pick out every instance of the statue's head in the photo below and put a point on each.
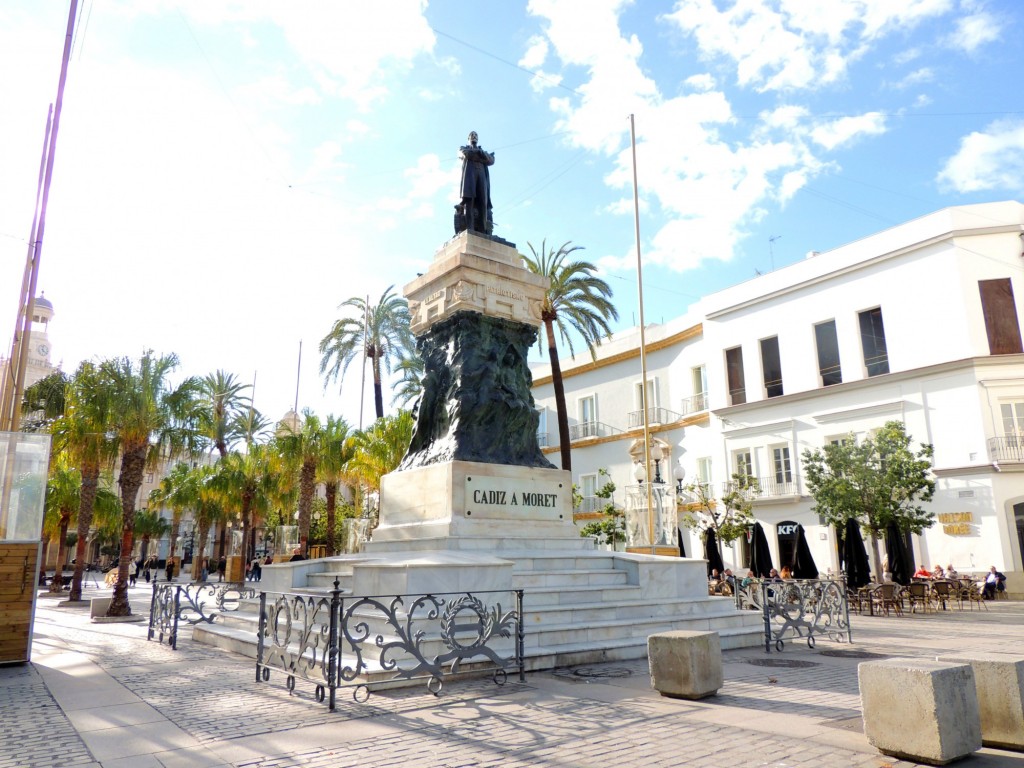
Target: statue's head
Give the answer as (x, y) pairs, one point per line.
(473, 138)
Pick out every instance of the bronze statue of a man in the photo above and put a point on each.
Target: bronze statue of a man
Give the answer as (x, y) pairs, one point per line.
(475, 188)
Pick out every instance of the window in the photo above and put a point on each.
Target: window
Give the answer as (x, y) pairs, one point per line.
(780, 462)
(704, 470)
(542, 427)
(842, 440)
(743, 463)
(828, 353)
(588, 490)
(1013, 418)
(771, 366)
(588, 416)
(699, 376)
(1000, 311)
(734, 371)
(872, 339)
(652, 394)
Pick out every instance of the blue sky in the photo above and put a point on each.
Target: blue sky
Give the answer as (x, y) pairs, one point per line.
(229, 172)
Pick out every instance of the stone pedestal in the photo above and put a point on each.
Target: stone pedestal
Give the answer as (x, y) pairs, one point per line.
(685, 664)
(921, 710)
(999, 680)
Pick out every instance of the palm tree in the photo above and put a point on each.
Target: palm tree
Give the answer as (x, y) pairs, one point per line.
(176, 492)
(332, 469)
(409, 387)
(380, 331)
(81, 433)
(43, 402)
(149, 525)
(206, 502)
(301, 447)
(575, 299)
(251, 426)
(63, 498)
(221, 404)
(149, 420)
(245, 483)
(381, 448)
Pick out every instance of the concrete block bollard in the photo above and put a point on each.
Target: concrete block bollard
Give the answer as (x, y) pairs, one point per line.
(685, 665)
(98, 606)
(921, 710)
(999, 680)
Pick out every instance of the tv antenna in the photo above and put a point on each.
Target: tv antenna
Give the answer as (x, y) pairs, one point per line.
(771, 249)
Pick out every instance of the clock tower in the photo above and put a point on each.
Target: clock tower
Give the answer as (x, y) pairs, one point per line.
(39, 365)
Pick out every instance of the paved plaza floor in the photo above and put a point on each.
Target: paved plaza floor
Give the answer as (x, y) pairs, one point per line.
(100, 695)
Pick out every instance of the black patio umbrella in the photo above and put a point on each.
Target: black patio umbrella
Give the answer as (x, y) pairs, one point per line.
(901, 565)
(760, 555)
(711, 552)
(804, 567)
(855, 557)
(679, 535)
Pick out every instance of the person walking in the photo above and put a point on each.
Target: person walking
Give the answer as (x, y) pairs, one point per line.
(222, 567)
(169, 569)
(133, 573)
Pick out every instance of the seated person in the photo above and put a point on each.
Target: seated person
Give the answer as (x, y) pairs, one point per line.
(994, 581)
(951, 572)
(787, 573)
(922, 572)
(938, 573)
(748, 579)
(729, 578)
(773, 575)
(714, 578)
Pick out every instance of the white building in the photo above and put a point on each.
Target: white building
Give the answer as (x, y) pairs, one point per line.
(918, 323)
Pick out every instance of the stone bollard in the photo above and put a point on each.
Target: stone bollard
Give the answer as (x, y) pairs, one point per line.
(921, 710)
(685, 665)
(999, 679)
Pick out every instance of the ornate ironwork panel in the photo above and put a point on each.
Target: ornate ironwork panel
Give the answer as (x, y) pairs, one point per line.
(333, 642)
(163, 614)
(806, 609)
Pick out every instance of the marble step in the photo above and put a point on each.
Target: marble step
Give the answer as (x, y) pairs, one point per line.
(494, 544)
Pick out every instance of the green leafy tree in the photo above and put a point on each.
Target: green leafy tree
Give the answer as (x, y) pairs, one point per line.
(332, 470)
(149, 525)
(611, 528)
(302, 446)
(177, 492)
(245, 482)
(878, 481)
(44, 401)
(150, 420)
(729, 516)
(81, 433)
(575, 299)
(380, 448)
(380, 331)
(63, 498)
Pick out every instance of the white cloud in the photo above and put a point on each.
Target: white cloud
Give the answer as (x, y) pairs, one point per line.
(836, 133)
(702, 82)
(987, 160)
(918, 76)
(794, 44)
(536, 53)
(974, 31)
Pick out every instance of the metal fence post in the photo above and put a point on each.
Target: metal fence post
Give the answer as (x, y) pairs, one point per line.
(332, 644)
(260, 633)
(766, 611)
(846, 608)
(177, 610)
(520, 636)
(152, 610)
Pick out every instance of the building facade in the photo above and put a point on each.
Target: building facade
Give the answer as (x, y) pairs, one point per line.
(918, 323)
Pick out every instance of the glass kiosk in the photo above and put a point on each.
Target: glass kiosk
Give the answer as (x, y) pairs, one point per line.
(24, 460)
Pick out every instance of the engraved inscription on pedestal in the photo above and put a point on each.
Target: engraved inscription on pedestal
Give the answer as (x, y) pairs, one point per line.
(522, 498)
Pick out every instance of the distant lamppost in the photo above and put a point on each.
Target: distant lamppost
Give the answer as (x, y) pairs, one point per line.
(678, 474)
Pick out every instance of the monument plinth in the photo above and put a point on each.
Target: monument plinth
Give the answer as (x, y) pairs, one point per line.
(474, 473)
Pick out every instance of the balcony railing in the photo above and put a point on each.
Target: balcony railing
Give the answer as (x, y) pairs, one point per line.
(695, 404)
(590, 504)
(654, 416)
(767, 487)
(688, 496)
(542, 439)
(589, 429)
(1006, 448)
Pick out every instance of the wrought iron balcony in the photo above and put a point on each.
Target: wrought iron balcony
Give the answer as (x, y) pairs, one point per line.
(590, 504)
(588, 429)
(767, 487)
(654, 416)
(1006, 448)
(693, 495)
(695, 404)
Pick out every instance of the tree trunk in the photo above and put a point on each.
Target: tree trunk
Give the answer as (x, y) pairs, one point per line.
(876, 560)
(331, 489)
(198, 557)
(133, 463)
(306, 488)
(556, 382)
(246, 529)
(57, 585)
(86, 502)
(175, 532)
(42, 562)
(378, 392)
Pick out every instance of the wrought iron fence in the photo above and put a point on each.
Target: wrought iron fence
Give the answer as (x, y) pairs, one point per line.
(654, 416)
(193, 604)
(798, 608)
(336, 642)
